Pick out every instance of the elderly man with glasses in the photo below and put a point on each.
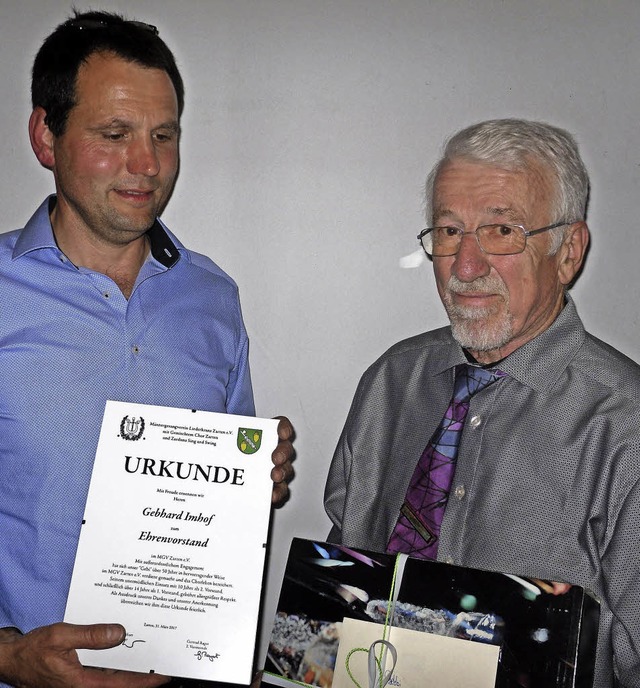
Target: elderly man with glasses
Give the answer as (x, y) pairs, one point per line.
(533, 466)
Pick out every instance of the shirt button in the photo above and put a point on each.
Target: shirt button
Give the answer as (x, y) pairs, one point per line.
(475, 421)
(135, 349)
(448, 560)
(459, 492)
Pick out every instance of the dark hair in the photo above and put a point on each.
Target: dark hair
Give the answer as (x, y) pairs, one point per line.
(55, 68)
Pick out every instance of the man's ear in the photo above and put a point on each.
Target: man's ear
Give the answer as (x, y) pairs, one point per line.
(41, 138)
(572, 252)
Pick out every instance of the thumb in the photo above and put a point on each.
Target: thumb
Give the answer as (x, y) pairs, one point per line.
(97, 636)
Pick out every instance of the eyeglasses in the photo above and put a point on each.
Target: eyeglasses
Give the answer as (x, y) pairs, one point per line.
(102, 24)
(496, 240)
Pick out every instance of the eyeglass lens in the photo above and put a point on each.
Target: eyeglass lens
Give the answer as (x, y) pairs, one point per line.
(495, 239)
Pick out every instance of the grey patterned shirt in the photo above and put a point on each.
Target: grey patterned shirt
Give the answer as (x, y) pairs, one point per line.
(547, 478)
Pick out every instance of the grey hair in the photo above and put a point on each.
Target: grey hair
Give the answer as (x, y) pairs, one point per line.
(516, 144)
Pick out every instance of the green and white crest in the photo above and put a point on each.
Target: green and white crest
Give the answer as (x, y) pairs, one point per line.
(249, 440)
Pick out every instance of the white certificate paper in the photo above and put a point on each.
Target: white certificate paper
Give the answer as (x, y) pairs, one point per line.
(173, 540)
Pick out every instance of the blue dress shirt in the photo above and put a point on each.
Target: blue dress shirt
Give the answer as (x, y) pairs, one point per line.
(69, 341)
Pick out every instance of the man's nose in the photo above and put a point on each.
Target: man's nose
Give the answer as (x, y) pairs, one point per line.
(471, 261)
(143, 158)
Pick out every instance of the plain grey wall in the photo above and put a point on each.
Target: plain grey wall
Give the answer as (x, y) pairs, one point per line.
(308, 130)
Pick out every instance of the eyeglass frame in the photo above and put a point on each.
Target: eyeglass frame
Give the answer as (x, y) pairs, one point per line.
(461, 233)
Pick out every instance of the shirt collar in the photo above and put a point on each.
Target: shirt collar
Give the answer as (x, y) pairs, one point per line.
(163, 249)
(539, 362)
(38, 234)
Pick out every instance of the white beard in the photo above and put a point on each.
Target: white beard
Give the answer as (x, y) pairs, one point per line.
(479, 329)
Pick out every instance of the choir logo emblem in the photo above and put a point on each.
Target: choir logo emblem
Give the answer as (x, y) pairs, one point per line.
(131, 428)
(249, 440)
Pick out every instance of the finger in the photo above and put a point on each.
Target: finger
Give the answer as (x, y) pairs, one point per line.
(560, 588)
(65, 636)
(283, 454)
(285, 429)
(282, 473)
(95, 636)
(279, 494)
(552, 587)
(98, 678)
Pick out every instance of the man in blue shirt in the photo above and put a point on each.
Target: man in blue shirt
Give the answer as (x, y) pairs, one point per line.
(99, 301)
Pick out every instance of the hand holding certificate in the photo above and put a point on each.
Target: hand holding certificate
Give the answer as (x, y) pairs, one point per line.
(173, 540)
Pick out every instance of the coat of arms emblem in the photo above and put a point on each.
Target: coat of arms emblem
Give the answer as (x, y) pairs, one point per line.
(249, 440)
(131, 428)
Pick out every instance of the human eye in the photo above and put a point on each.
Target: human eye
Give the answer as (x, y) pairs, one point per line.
(112, 132)
(162, 137)
(501, 239)
(446, 232)
(445, 236)
(113, 135)
(165, 134)
(498, 232)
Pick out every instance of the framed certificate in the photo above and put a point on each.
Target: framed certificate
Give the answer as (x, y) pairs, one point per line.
(173, 540)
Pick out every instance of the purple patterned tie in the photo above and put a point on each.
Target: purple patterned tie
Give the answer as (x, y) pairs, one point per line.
(418, 527)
